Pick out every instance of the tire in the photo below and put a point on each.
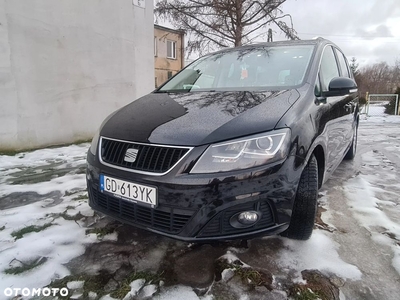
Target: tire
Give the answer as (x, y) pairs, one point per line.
(305, 204)
(351, 153)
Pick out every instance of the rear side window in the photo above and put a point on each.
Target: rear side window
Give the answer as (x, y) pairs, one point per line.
(329, 68)
(343, 64)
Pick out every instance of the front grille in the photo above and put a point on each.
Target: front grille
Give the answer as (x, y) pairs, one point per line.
(150, 158)
(220, 224)
(165, 219)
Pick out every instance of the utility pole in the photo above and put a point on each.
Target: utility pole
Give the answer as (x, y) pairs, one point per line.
(270, 35)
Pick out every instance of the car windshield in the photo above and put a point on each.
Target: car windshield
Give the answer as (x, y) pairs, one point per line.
(256, 68)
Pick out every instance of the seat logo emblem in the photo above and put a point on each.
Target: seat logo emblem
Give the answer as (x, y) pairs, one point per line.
(130, 155)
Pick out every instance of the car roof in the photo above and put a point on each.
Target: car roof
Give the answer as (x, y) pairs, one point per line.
(316, 41)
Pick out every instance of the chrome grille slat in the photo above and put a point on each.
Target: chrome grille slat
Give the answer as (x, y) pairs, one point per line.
(151, 159)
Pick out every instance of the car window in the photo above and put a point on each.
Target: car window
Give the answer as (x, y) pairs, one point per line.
(343, 64)
(329, 68)
(255, 68)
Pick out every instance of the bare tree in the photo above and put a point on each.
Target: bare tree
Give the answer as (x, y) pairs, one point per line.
(214, 24)
(354, 66)
(396, 75)
(379, 78)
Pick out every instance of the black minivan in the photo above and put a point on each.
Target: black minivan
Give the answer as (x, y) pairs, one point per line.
(235, 145)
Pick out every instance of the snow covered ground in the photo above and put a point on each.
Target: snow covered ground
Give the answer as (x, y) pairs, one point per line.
(50, 237)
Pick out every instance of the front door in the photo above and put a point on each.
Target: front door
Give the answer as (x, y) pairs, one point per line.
(339, 126)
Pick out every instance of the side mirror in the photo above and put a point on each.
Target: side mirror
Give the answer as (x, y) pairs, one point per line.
(340, 86)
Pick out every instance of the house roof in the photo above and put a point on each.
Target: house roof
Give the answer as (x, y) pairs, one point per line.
(177, 31)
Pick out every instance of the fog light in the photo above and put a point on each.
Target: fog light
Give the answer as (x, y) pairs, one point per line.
(247, 217)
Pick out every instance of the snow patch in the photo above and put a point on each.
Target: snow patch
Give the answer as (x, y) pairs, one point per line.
(108, 297)
(365, 205)
(148, 291)
(71, 182)
(74, 285)
(319, 252)
(110, 237)
(76, 296)
(231, 258)
(180, 292)
(227, 274)
(135, 285)
(74, 154)
(381, 119)
(64, 239)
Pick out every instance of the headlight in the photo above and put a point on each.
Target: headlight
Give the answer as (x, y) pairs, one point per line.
(244, 153)
(95, 141)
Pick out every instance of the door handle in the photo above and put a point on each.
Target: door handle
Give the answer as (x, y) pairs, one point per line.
(349, 107)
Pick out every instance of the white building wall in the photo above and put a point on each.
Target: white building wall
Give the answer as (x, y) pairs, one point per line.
(65, 65)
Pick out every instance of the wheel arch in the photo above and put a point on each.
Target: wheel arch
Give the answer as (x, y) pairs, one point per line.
(319, 154)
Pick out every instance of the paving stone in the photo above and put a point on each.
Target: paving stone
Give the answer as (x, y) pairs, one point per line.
(111, 285)
(195, 272)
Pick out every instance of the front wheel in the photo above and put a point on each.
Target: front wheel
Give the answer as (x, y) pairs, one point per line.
(305, 204)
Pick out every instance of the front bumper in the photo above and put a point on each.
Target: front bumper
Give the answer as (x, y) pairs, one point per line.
(199, 207)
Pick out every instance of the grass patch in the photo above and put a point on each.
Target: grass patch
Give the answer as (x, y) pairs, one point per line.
(100, 232)
(8, 152)
(11, 152)
(96, 283)
(81, 170)
(247, 275)
(65, 216)
(45, 176)
(33, 228)
(2, 228)
(77, 142)
(91, 284)
(302, 292)
(73, 192)
(250, 275)
(25, 266)
(318, 286)
(125, 284)
(80, 197)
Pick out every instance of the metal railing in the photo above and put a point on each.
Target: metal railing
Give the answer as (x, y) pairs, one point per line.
(381, 105)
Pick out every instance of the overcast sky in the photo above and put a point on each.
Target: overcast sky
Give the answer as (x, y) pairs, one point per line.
(366, 29)
(369, 30)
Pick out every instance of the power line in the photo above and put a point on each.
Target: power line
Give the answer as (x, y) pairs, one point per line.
(350, 36)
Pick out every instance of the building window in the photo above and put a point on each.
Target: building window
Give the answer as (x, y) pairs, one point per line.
(155, 46)
(155, 82)
(169, 74)
(171, 49)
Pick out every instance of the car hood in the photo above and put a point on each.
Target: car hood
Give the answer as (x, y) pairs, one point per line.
(193, 119)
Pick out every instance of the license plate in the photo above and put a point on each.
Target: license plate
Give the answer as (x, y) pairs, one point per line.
(129, 191)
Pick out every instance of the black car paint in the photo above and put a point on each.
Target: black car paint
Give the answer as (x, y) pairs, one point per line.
(211, 194)
(194, 119)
